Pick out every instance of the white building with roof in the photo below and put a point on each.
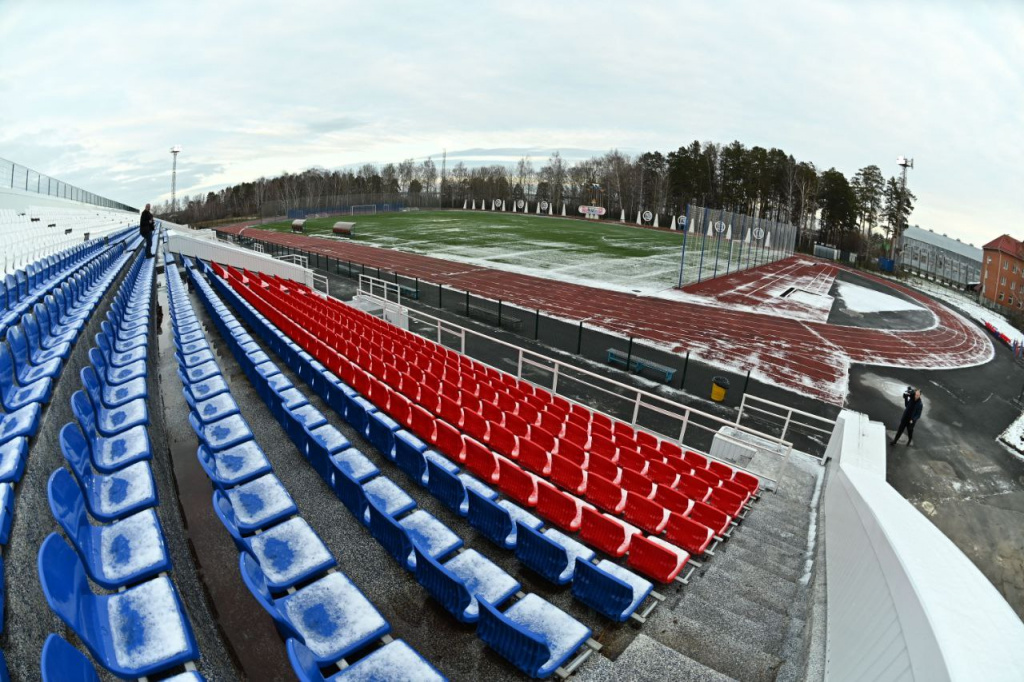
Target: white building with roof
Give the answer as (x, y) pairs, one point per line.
(941, 257)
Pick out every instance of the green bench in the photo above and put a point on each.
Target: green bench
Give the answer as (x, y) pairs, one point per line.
(637, 364)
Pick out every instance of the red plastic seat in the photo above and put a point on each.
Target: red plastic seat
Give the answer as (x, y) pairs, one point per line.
(422, 423)
(492, 413)
(516, 424)
(450, 390)
(392, 377)
(572, 452)
(563, 405)
(624, 430)
(505, 402)
(626, 443)
(450, 411)
(679, 466)
(520, 485)
(695, 459)
(527, 410)
(644, 513)
(725, 501)
(637, 483)
(672, 500)
(470, 402)
(569, 475)
(600, 419)
(575, 434)
(631, 459)
(723, 471)
(449, 441)
(706, 476)
(503, 440)
(605, 533)
(662, 474)
(748, 481)
(481, 461)
(475, 425)
(604, 468)
(686, 533)
(736, 489)
(560, 509)
(605, 494)
(534, 458)
(428, 397)
(400, 409)
(542, 438)
(599, 445)
(694, 488)
(486, 393)
(410, 388)
(655, 559)
(670, 449)
(715, 519)
(647, 439)
(550, 422)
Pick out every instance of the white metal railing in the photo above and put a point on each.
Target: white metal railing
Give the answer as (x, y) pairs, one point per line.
(560, 372)
(300, 260)
(320, 283)
(258, 247)
(788, 416)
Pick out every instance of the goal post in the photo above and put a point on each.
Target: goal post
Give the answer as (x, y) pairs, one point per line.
(365, 209)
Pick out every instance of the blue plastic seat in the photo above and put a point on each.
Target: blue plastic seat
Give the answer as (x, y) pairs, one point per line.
(329, 437)
(388, 497)
(609, 589)
(124, 342)
(196, 358)
(463, 581)
(23, 422)
(109, 453)
(396, 660)
(12, 459)
(119, 359)
(138, 632)
(419, 529)
(472, 483)
(206, 388)
(358, 412)
(114, 376)
(235, 465)
(122, 553)
(381, 433)
(6, 512)
(61, 662)
(113, 395)
(260, 503)
(330, 616)
(354, 464)
(26, 368)
(289, 553)
(42, 348)
(308, 416)
(14, 396)
(447, 487)
(201, 372)
(108, 497)
(532, 634)
(552, 554)
(497, 520)
(223, 433)
(111, 421)
(211, 409)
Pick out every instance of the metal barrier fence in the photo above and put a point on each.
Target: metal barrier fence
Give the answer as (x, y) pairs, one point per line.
(719, 242)
(16, 176)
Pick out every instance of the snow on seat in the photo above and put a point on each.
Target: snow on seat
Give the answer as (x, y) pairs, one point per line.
(61, 662)
(111, 421)
(396, 661)
(206, 388)
(138, 632)
(552, 554)
(289, 553)
(212, 409)
(235, 465)
(108, 497)
(20, 423)
(221, 434)
(463, 581)
(354, 463)
(609, 589)
(109, 452)
(12, 395)
(330, 616)
(309, 416)
(12, 459)
(533, 635)
(387, 496)
(419, 529)
(260, 503)
(124, 552)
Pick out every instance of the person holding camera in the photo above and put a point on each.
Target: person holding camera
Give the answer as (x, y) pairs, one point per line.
(911, 413)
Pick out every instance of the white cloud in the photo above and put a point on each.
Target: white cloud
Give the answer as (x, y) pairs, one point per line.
(101, 90)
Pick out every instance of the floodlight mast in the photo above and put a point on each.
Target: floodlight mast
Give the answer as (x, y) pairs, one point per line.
(174, 177)
(904, 163)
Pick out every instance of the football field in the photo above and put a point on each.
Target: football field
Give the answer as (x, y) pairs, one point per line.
(616, 256)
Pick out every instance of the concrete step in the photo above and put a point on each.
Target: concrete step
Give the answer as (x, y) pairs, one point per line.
(716, 650)
(648, 659)
(793, 518)
(719, 590)
(785, 547)
(791, 535)
(758, 557)
(759, 628)
(786, 558)
(754, 583)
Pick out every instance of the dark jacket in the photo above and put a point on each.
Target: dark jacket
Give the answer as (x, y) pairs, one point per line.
(913, 408)
(146, 223)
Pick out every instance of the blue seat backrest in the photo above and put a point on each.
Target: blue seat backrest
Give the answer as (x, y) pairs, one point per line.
(318, 456)
(601, 591)
(304, 662)
(66, 587)
(349, 491)
(76, 451)
(541, 554)
(446, 487)
(61, 662)
(226, 513)
(3, 297)
(522, 648)
(13, 295)
(256, 581)
(68, 507)
(22, 280)
(442, 585)
(6, 367)
(81, 405)
(490, 519)
(390, 535)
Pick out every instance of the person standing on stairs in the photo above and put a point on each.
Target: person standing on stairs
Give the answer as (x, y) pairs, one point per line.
(146, 226)
(911, 414)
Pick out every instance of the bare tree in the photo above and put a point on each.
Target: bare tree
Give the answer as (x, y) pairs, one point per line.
(524, 174)
(428, 172)
(406, 173)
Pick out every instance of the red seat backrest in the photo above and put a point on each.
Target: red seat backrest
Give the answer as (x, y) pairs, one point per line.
(450, 411)
(516, 483)
(748, 481)
(400, 409)
(503, 440)
(631, 459)
(599, 445)
(728, 502)
(604, 533)
(567, 474)
(572, 452)
(653, 560)
(422, 423)
(605, 494)
(723, 471)
(644, 513)
(695, 459)
(662, 474)
(670, 449)
(557, 507)
(637, 483)
(449, 441)
(604, 468)
(715, 519)
(480, 460)
(688, 534)
(672, 500)
(474, 425)
(533, 457)
(550, 422)
(706, 476)
(693, 487)
(516, 424)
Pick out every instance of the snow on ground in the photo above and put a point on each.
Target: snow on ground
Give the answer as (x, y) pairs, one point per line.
(860, 299)
(1013, 438)
(970, 308)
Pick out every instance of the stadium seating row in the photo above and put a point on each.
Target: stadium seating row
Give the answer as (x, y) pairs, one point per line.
(284, 563)
(465, 582)
(653, 556)
(142, 628)
(38, 232)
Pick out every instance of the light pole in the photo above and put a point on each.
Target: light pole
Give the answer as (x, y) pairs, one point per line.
(904, 163)
(174, 177)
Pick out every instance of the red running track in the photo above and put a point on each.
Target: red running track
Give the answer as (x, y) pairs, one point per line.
(809, 357)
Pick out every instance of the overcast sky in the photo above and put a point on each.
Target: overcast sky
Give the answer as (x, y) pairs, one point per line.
(95, 93)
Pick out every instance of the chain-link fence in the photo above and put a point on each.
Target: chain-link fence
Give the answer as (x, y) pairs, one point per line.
(719, 242)
(16, 176)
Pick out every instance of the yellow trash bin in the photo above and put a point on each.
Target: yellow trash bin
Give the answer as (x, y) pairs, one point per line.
(719, 385)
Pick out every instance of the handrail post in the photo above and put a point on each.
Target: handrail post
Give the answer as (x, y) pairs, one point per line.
(636, 407)
(686, 421)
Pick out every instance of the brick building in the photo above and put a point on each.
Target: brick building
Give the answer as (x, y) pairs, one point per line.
(1002, 272)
